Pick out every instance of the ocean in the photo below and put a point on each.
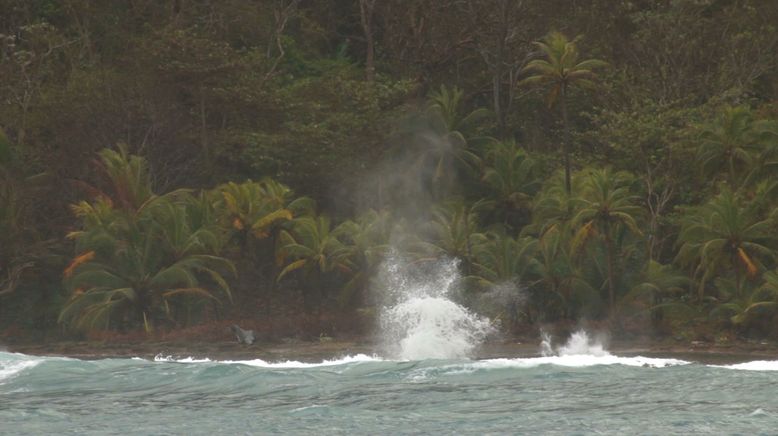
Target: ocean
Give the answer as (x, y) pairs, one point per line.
(584, 393)
(425, 381)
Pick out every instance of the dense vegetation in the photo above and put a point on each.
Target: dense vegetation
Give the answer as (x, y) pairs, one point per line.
(165, 164)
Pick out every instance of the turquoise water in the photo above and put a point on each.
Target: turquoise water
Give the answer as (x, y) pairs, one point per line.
(559, 394)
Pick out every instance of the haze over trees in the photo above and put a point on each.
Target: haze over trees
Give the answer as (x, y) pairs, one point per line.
(168, 164)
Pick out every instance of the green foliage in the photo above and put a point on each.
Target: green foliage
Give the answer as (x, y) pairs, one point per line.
(313, 249)
(733, 143)
(451, 232)
(606, 208)
(560, 71)
(141, 258)
(211, 98)
(511, 179)
(561, 68)
(499, 258)
(723, 236)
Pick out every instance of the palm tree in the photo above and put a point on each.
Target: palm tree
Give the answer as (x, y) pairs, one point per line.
(132, 268)
(254, 209)
(446, 106)
(312, 247)
(500, 258)
(559, 282)
(138, 253)
(450, 233)
(733, 144)
(655, 283)
(367, 239)
(443, 140)
(128, 177)
(606, 206)
(511, 179)
(743, 306)
(723, 235)
(554, 205)
(561, 70)
(502, 266)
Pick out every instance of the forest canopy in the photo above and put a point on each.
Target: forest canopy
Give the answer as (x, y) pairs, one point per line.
(166, 164)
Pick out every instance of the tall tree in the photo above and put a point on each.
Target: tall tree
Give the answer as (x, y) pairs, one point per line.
(606, 206)
(732, 144)
(562, 70)
(366, 8)
(724, 235)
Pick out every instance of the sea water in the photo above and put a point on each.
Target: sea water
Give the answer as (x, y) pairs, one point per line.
(555, 394)
(426, 380)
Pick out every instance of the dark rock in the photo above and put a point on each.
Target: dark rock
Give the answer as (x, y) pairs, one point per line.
(243, 336)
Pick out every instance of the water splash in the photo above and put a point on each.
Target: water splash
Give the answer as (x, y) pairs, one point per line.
(420, 320)
(579, 344)
(545, 344)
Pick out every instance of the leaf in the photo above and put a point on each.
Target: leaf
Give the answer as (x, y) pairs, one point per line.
(79, 260)
(751, 269)
(188, 291)
(291, 267)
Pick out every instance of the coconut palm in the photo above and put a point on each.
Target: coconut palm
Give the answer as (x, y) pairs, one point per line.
(554, 205)
(511, 180)
(500, 258)
(450, 233)
(723, 236)
(561, 70)
(129, 184)
(443, 141)
(313, 248)
(254, 209)
(732, 144)
(559, 283)
(654, 284)
(139, 253)
(131, 269)
(502, 267)
(606, 207)
(447, 106)
(368, 240)
(746, 304)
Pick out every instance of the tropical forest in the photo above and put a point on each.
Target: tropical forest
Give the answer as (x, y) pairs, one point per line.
(169, 168)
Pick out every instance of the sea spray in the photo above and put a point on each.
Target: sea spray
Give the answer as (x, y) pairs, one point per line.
(545, 344)
(420, 320)
(579, 343)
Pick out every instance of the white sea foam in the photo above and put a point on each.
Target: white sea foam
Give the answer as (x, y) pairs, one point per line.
(578, 361)
(758, 412)
(756, 365)
(162, 358)
(312, 406)
(420, 320)
(581, 344)
(358, 358)
(12, 364)
(581, 350)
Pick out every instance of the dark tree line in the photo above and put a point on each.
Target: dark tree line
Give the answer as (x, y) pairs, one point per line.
(611, 159)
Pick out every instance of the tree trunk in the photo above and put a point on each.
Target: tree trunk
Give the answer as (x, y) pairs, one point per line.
(738, 281)
(609, 254)
(566, 145)
(203, 125)
(366, 15)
